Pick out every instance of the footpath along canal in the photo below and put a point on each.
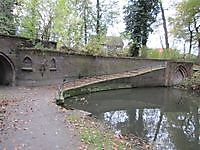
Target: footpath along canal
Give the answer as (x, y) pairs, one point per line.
(30, 120)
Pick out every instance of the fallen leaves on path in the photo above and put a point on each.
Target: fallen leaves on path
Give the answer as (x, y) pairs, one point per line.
(4, 103)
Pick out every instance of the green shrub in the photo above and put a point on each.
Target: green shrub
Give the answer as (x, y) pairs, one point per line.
(165, 54)
(152, 53)
(192, 84)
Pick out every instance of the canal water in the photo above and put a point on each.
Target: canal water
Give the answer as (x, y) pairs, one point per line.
(168, 118)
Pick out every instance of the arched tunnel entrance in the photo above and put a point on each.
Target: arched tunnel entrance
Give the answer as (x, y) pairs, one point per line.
(7, 73)
(180, 74)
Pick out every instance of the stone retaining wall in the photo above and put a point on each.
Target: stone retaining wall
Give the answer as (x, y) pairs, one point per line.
(32, 67)
(50, 67)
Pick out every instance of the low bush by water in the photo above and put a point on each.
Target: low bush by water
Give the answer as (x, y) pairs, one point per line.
(192, 84)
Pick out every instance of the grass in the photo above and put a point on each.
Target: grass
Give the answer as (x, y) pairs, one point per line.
(96, 136)
(166, 54)
(93, 136)
(169, 54)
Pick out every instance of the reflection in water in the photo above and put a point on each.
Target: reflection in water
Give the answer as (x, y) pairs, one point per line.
(115, 118)
(169, 118)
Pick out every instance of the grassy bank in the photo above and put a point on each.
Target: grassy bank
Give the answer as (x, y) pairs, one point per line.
(95, 135)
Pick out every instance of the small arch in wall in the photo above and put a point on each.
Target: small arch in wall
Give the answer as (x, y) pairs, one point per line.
(180, 74)
(52, 64)
(7, 70)
(183, 71)
(27, 64)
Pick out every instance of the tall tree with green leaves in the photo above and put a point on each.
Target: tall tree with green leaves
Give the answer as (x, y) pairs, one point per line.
(106, 14)
(68, 23)
(85, 10)
(100, 18)
(7, 23)
(139, 16)
(186, 23)
(57, 20)
(30, 19)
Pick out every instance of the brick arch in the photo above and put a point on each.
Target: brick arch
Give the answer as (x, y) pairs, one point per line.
(180, 74)
(7, 68)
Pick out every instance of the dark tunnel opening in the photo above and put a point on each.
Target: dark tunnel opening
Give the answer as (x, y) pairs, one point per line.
(6, 72)
(180, 75)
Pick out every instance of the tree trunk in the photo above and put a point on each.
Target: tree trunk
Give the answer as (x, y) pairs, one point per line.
(134, 50)
(98, 18)
(191, 39)
(196, 125)
(161, 42)
(198, 39)
(198, 58)
(164, 26)
(85, 22)
(158, 127)
(47, 30)
(184, 50)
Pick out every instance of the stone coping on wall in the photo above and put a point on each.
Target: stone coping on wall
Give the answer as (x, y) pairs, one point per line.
(53, 51)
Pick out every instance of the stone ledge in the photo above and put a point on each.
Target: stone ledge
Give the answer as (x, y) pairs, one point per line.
(28, 69)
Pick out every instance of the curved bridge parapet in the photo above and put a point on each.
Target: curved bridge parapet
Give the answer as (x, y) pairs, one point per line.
(167, 74)
(149, 76)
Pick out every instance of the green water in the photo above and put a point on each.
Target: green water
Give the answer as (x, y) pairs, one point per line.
(168, 118)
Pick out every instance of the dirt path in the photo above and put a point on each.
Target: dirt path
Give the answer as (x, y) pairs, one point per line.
(34, 122)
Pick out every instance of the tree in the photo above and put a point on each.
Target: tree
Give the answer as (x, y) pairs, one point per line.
(164, 25)
(106, 13)
(139, 16)
(68, 23)
(194, 11)
(98, 18)
(76, 20)
(102, 16)
(86, 14)
(30, 18)
(87, 10)
(7, 24)
(46, 18)
(186, 23)
(51, 20)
